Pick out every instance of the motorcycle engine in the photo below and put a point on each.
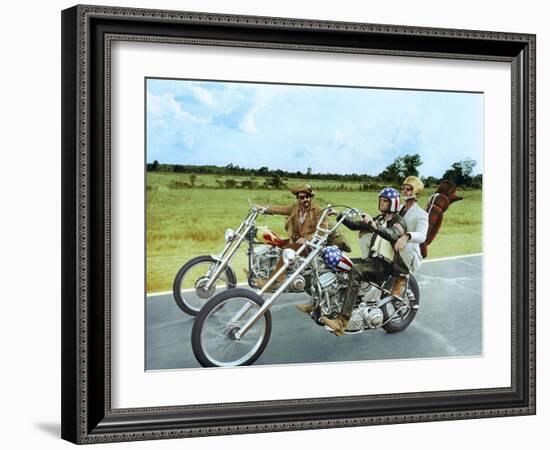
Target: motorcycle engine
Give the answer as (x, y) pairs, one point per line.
(264, 259)
(332, 287)
(298, 284)
(329, 282)
(365, 316)
(373, 316)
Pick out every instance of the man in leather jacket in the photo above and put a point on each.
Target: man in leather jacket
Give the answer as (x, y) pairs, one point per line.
(302, 216)
(382, 232)
(301, 223)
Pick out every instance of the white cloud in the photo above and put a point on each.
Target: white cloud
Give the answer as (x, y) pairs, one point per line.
(330, 130)
(203, 95)
(262, 98)
(170, 125)
(166, 107)
(248, 124)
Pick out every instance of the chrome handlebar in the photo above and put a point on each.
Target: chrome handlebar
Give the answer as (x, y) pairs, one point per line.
(348, 212)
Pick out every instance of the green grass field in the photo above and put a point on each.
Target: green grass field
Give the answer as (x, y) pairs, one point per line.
(186, 222)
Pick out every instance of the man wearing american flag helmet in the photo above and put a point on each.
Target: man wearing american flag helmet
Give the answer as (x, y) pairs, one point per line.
(381, 233)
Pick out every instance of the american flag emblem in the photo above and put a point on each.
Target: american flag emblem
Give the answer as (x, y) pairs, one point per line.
(393, 196)
(335, 259)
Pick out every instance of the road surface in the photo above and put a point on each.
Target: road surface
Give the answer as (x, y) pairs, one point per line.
(448, 324)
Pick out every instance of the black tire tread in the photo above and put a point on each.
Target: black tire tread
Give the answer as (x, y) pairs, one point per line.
(391, 327)
(213, 303)
(230, 274)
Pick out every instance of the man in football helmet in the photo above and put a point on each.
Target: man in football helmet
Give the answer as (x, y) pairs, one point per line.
(408, 245)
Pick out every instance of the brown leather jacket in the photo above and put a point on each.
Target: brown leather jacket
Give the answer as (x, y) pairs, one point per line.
(294, 228)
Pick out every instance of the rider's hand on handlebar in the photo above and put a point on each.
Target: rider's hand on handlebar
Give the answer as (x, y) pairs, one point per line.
(366, 218)
(332, 212)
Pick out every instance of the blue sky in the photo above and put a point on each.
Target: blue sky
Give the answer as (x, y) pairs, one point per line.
(330, 129)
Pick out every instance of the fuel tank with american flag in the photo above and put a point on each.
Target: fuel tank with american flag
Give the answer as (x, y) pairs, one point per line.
(334, 258)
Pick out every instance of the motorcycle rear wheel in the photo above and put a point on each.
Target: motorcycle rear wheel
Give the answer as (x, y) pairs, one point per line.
(187, 291)
(213, 335)
(402, 320)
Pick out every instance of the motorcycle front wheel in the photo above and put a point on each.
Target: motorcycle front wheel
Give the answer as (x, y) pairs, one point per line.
(213, 336)
(189, 286)
(401, 318)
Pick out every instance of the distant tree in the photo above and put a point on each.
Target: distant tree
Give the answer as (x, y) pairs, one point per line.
(262, 171)
(460, 172)
(274, 182)
(308, 171)
(430, 181)
(230, 183)
(411, 164)
(248, 184)
(401, 167)
(393, 173)
(177, 168)
(153, 167)
(193, 179)
(477, 182)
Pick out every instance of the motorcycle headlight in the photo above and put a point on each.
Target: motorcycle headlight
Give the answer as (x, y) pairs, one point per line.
(229, 235)
(289, 255)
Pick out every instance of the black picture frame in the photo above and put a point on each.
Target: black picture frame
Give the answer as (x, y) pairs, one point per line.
(87, 415)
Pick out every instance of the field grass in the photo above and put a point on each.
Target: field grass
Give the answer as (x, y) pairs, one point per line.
(186, 222)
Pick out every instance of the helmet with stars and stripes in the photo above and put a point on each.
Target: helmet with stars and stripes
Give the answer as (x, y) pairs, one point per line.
(393, 196)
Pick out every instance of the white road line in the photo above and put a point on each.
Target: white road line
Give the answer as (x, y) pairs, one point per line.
(156, 294)
(452, 257)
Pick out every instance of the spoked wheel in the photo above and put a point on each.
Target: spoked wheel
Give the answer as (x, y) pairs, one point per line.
(190, 292)
(213, 337)
(402, 314)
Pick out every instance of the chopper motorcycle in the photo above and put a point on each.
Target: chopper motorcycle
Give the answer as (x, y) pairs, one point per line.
(234, 327)
(201, 277)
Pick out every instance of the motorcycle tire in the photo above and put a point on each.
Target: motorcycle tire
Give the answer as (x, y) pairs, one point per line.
(185, 305)
(208, 338)
(394, 326)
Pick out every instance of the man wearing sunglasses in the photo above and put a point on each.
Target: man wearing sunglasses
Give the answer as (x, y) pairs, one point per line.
(303, 215)
(408, 245)
(301, 223)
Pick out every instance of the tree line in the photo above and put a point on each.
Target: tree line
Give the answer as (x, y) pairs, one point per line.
(460, 173)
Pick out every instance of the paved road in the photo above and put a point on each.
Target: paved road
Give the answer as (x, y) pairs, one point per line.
(448, 324)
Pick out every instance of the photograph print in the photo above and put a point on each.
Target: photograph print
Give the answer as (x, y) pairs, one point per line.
(301, 224)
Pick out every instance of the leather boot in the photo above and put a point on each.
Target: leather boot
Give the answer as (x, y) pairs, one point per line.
(399, 285)
(398, 288)
(338, 325)
(305, 307)
(261, 282)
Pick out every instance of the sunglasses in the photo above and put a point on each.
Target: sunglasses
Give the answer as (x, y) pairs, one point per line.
(303, 197)
(406, 188)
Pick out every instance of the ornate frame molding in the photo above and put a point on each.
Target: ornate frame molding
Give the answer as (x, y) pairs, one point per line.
(86, 421)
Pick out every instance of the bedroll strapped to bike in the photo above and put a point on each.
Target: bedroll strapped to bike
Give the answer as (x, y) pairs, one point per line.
(436, 207)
